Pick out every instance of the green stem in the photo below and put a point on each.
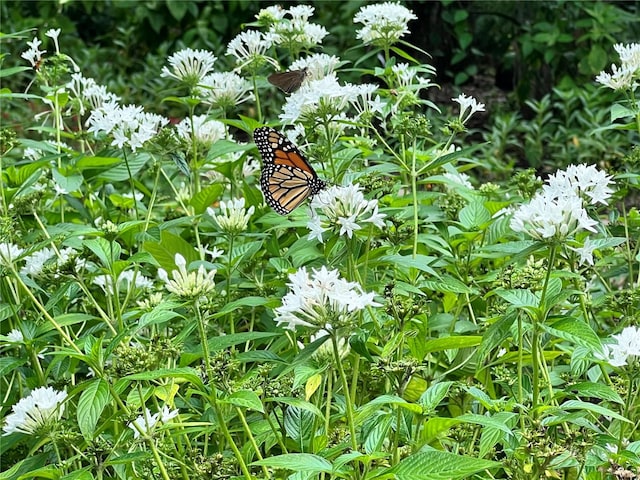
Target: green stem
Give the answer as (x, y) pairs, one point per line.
(247, 430)
(347, 394)
(131, 184)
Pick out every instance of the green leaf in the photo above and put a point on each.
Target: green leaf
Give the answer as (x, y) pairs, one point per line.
(298, 462)
(448, 285)
(70, 184)
(7, 72)
(9, 364)
(453, 342)
(432, 397)
(90, 406)
(595, 390)
(185, 373)
(120, 173)
(248, 302)
(224, 147)
(297, 403)
(206, 197)
(107, 252)
(520, 298)
(64, 320)
(620, 111)
(88, 163)
(575, 331)
(83, 474)
(598, 410)
(420, 262)
(474, 216)
(438, 465)
(244, 399)
(486, 422)
(165, 250)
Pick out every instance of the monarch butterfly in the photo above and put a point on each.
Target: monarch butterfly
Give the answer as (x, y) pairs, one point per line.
(288, 82)
(287, 179)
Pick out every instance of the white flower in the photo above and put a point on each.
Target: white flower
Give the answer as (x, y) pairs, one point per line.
(249, 48)
(624, 345)
(15, 336)
(185, 284)
(545, 217)
(8, 253)
(127, 278)
(620, 78)
(233, 217)
(207, 131)
(34, 263)
(42, 407)
(342, 210)
(322, 300)
(147, 422)
(129, 125)
(467, 103)
(297, 33)
(558, 211)
(225, 90)
(629, 54)
(326, 96)
(623, 77)
(384, 23)
(89, 94)
(459, 178)
(271, 14)
(54, 34)
(215, 253)
(586, 252)
(34, 54)
(250, 167)
(318, 65)
(580, 180)
(189, 66)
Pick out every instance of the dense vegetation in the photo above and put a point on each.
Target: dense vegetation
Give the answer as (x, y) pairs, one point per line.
(460, 299)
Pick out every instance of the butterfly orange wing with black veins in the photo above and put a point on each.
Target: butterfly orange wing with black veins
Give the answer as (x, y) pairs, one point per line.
(287, 179)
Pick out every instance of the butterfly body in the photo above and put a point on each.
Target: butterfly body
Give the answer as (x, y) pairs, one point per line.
(288, 82)
(287, 179)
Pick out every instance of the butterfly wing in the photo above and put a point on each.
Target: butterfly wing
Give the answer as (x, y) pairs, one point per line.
(288, 82)
(287, 179)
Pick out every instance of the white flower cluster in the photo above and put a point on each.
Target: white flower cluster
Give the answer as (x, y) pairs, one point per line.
(207, 131)
(342, 210)
(33, 55)
(9, 253)
(189, 66)
(128, 125)
(185, 284)
(233, 217)
(128, 278)
(147, 422)
(43, 406)
(625, 348)
(225, 90)
(318, 65)
(34, 263)
(89, 93)
(327, 98)
(384, 23)
(321, 300)
(291, 28)
(249, 48)
(465, 104)
(625, 76)
(559, 210)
